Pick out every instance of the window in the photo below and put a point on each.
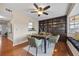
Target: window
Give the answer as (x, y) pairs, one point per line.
(74, 24)
(30, 27)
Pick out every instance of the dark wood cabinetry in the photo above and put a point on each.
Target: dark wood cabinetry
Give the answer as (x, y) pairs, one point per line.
(54, 25)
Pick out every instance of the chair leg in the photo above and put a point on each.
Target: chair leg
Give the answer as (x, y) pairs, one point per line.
(48, 43)
(41, 47)
(36, 51)
(29, 48)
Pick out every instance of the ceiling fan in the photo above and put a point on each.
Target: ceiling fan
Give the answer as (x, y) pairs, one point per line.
(40, 10)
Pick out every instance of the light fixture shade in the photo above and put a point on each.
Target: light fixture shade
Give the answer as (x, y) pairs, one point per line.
(40, 12)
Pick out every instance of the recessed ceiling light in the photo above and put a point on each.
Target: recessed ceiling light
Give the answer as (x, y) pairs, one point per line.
(2, 16)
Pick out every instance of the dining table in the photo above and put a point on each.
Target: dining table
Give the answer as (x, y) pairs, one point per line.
(44, 37)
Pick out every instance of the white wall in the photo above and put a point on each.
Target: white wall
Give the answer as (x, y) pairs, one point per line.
(20, 27)
(19, 24)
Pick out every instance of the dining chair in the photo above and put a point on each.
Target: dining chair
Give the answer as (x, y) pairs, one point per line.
(34, 42)
(57, 38)
(53, 39)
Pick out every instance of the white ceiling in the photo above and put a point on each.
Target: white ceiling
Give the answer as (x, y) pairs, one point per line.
(56, 9)
(75, 10)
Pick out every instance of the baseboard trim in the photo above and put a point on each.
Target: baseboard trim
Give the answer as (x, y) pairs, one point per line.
(14, 44)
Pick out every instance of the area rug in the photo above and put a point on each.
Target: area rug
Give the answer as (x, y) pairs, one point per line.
(49, 50)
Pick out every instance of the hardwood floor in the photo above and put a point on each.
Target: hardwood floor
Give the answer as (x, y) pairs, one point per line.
(7, 48)
(61, 49)
(17, 52)
(7, 45)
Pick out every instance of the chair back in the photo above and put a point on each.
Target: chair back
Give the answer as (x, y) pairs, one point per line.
(53, 39)
(57, 38)
(38, 42)
(32, 42)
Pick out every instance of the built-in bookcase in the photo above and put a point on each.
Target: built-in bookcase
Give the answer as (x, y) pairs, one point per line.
(53, 25)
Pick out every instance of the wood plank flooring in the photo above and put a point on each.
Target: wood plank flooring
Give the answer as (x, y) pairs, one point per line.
(7, 48)
(6, 45)
(61, 49)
